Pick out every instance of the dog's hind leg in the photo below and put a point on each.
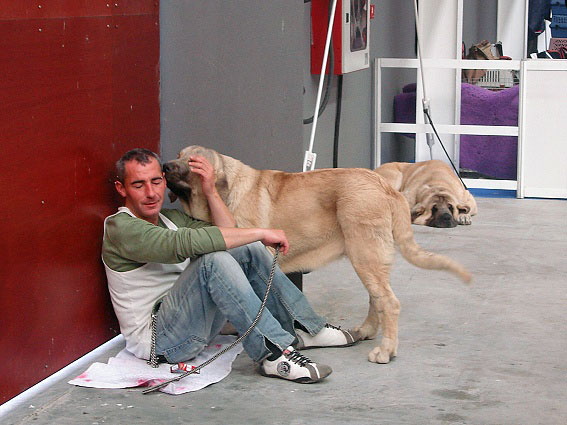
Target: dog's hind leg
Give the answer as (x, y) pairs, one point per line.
(372, 259)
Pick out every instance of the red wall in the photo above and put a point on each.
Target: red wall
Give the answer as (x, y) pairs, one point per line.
(79, 86)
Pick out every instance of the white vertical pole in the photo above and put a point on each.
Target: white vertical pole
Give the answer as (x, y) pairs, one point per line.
(420, 98)
(310, 157)
(521, 123)
(377, 157)
(458, 85)
(511, 27)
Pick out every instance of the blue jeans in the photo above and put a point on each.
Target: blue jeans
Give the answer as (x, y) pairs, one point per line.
(230, 285)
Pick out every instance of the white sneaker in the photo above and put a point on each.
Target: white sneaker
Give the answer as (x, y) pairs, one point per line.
(294, 366)
(329, 336)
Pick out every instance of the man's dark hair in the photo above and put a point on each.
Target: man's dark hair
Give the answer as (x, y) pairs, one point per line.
(140, 155)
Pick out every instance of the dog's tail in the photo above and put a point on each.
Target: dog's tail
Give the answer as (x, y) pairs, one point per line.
(412, 252)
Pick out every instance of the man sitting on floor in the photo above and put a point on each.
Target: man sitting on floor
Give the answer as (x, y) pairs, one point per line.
(146, 252)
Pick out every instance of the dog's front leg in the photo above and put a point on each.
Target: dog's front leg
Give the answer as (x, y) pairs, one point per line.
(466, 209)
(464, 219)
(372, 263)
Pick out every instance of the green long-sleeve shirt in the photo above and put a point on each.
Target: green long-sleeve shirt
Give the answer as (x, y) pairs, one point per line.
(130, 242)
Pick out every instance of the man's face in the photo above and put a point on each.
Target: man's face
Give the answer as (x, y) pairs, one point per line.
(143, 189)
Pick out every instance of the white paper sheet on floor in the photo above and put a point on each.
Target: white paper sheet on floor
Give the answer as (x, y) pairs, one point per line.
(126, 370)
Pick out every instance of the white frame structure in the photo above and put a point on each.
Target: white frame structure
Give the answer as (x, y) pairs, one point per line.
(456, 129)
(442, 50)
(542, 151)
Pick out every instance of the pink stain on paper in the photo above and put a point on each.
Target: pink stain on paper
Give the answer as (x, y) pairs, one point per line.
(217, 346)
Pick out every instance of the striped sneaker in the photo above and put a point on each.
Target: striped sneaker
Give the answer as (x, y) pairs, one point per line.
(294, 366)
(329, 336)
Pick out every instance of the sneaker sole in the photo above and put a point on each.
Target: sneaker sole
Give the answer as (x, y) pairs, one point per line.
(303, 380)
(327, 346)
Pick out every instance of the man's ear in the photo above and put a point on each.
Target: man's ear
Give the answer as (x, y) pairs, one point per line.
(120, 188)
(172, 197)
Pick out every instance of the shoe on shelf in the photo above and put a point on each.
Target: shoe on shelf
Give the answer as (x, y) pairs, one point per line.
(329, 336)
(294, 366)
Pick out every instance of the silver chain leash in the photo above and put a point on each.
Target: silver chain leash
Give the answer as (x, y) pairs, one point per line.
(153, 362)
(231, 346)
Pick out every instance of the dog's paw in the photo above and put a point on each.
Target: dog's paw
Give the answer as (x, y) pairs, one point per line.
(465, 219)
(385, 352)
(365, 332)
(377, 355)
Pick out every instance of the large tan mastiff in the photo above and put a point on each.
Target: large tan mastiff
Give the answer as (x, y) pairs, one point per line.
(435, 195)
(326, 214)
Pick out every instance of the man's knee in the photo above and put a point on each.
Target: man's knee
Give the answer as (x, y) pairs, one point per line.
(221, 268)
(218, 260)
(249, 253)
(258, 249)
(217, 264)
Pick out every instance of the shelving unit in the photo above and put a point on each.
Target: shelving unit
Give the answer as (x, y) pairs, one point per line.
(543, 85)
(420, 128)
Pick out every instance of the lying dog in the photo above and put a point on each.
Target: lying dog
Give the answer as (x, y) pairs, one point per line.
(435, 195)
(326, 214)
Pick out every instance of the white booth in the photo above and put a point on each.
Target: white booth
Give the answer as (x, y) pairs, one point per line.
(542, 99)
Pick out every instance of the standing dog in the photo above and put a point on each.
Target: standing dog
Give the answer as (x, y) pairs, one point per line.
(435, 195)
(326, 214)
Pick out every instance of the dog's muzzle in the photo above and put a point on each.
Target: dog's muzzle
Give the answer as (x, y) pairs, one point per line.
(168, 168)
(444, 220)
(176, 177)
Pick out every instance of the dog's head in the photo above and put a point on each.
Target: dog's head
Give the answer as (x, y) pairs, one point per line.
(186, 186)
(437, 208)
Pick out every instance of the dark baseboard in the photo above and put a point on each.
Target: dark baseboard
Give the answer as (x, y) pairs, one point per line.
(297, 279)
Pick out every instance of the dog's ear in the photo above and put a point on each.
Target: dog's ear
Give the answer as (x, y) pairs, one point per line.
(416, 211)
(468, 204)
(463, 208)
(421, 213)
(172, 197)
(221, 183)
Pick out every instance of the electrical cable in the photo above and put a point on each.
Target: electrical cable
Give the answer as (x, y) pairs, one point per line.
(444, 150)
(337, 121)
(425, 101)
(419, 54)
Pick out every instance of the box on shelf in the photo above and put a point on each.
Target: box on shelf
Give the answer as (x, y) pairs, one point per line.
(558, 25)
(556, 43)
(559, 7)
(497, 79)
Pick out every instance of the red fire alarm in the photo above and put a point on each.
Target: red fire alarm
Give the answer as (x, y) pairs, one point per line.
(351, 29)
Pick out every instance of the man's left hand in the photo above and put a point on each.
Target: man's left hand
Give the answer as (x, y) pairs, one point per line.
(199, 165)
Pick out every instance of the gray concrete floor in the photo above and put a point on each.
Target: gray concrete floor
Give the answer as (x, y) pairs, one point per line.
(491, 353)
